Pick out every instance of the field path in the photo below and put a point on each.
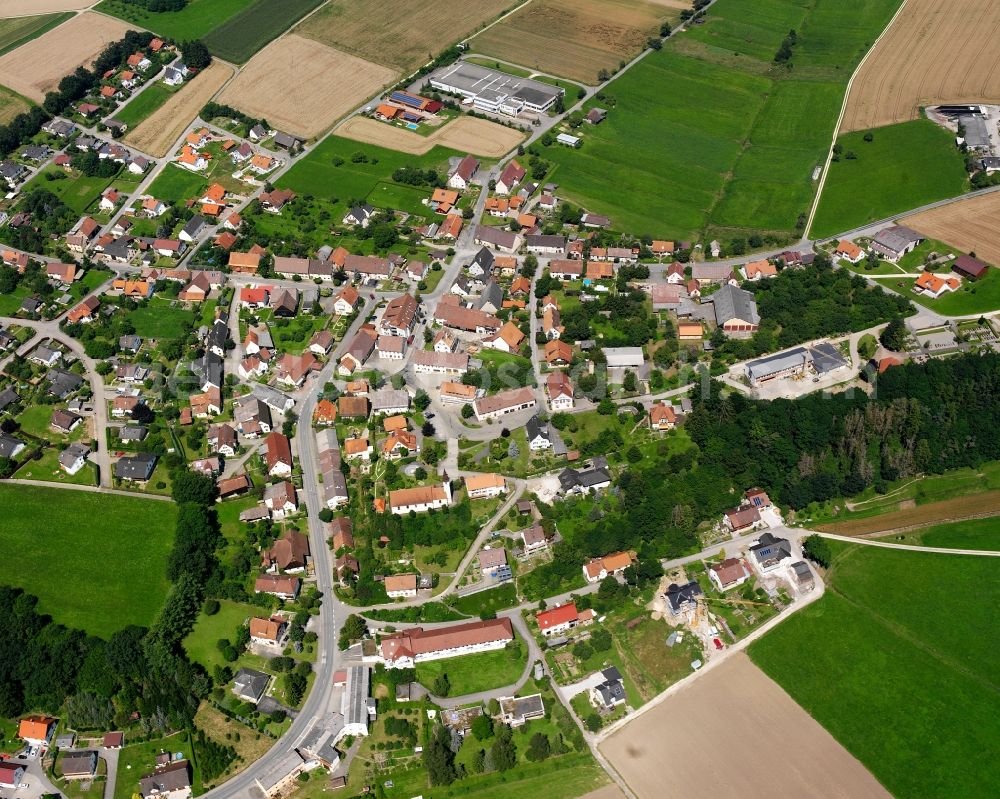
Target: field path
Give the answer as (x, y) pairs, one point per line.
(970, 506)
(91, 489)
(984, 553)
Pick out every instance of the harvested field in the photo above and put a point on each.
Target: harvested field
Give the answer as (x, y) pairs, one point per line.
(466, 134)
(157, 134)
(573, 38)
(971, 225)
(20, 8)
(934, 52)
(273, 86)
(39, 65)
(11, 105)
(947, 510)
(403, 34)
(719, 754)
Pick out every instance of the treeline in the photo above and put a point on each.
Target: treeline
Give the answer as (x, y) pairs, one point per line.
(212, 110)
(49, 217)
(805, 304)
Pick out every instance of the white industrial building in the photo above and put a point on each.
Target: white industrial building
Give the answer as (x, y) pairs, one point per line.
(494, 91)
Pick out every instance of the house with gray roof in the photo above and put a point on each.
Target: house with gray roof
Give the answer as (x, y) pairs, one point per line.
(735, 311)
(892, 243)
(10, 447)
(769, 551)
(250, 685)
(136, 468)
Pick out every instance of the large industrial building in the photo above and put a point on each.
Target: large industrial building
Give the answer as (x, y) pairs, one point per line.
(493, 91)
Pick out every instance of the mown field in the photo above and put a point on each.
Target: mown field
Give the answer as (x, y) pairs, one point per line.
(175, 183)
(903, 167)
(898, 663)
(319, 175)
(708, 135)
(11, 104)
(200, 643)
(145, 103)
(96, 561)
(970, 534)
(16, 31)
(244, 34)
(469, 674)
(193, 21)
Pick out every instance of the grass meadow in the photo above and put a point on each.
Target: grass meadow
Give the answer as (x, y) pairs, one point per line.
(175, 183)
(896, 661)
(469, 674)
(243, 34)
(708, 135)
(200, 643)
(77, 191)
(18, 30)
(145, 103)
(97, 562)
(968, 534)
(161, 319)
(903, 167)
(982, 296)
(193, 21)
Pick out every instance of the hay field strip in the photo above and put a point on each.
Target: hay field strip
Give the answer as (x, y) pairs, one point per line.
(574, 38)
(465, 134)
(971, 225)
(724, 711)
(934, 52)
(403, 34)
(271, 87)
(158, 132)
(38, 66)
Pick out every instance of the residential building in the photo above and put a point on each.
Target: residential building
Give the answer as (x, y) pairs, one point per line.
(278, 455)
(769, 551)
(537, 435)
(584, 481)
(559, 391)
(730, 573)
(610, 692)
(485, 486)
(597, 569)
(557, 620)
(401, 586)
(415, 645)
(172, 780)
(681, 598)
(741, 519)
(250, 685)
(420, 499)
(534, 540)
(284, 586)
(281, 500)
(268, 632)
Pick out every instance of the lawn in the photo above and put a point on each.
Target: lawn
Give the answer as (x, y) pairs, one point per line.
(982, 296)
(47, 468)
(905, 166)
(174, 184)
(319, 174)
(137, 760)
(969, 534)
(96, 561)
(161, 319)
(75, 190)
(145, 103)
(707, 135)
(243, 34)
(193, 21)
(469, 674)
(490, 601)
(200, 642)
(892, 623)
(18, 30)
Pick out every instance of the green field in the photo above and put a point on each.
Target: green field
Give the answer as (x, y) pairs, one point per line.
(96, 561)
(972, 298)
(161, 319)
(145, 103)
(242, 35)
(970, 534)
(904, 167)
(193, 21)
(490, 601)
(79, 193)
(18, 30)
(317, 175)
(175, 183)
(200, 643)
(470, 674)
(707, 135)
(898, 662)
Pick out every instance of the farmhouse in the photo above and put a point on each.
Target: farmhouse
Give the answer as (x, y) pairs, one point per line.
(493, 91)
(497, 238)
(405, 649)
(509, 401)
(399, 316)
(557, 620)
(445, 363)
(278, 455)
(420, 499)
(849, 251)
(471, 320)
(461, 176)
(892, 243)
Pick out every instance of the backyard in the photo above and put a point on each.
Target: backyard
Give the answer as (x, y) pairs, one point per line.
(482, 671)
(94, 553)
(200, 643)
(981, 296)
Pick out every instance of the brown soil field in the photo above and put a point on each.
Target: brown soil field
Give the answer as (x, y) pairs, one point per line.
(947, 510)
(157, 133)
(24, 8)
(971, 225)
(36, 67)
(301, 86)
(466, 134)
(403, 34)
(574, 38)
(707, 740)
(936, 51)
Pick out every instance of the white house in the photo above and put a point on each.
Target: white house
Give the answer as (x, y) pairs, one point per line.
(401, 586)
(420, 499)
(485, 486)
(415, 645)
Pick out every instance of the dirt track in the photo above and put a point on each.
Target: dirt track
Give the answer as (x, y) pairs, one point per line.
(36, 67)
(734, 733)
(947, 510)
(466, 134)
(936, 51)
(971, 225)
(301, 86)
(157, 133)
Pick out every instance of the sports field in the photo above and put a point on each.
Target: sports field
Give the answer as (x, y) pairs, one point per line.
(95, 561)
(157, 133)
(971, 225)
(273, 87)
(707, 136)
(319, 175)
(903, 167)
(574, 38)
(930, 55)
(37, 67)
(16, 31)
(468, 134)
(896, 661)
(403, 34)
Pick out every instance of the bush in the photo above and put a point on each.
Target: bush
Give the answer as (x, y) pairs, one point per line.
(211, 607)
